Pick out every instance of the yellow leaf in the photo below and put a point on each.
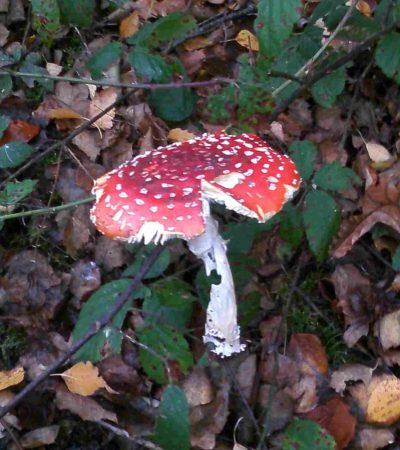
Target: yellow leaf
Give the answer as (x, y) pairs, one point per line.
(63, 114)
(83, 378)
(384, 400)
(11, 377)
(179, 135)
(129, 26)
(247, 39)
(196, 43)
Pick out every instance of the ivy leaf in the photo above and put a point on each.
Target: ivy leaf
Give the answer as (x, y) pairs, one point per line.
(326, 90)
(102, 59)
(321, 219)
(14, 192)
(306, 434)
(98, 305)
(334, 177)
(14, 153)
(172, 430)
(274, 23)
(387, 55)
(303, 154)
(164, 343)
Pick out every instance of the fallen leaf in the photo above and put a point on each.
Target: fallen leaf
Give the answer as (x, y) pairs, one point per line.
(89, 142)
(282, 406)
(19, 130)
(129, 25)
(307, 350)
(86, 408)
(63, 113)
(120, 376)
(40, 436)
(380, 156)
(388, 330)
(83, 378)
(247, 39)
(350, 372)
(196, 43)
(384, 400)
(102, 100)
(198, 387)
(366, 7)
(388, 215)
(53, 69)
(179, 135)
(11, 377)
(374, 438)
(334, 416)
(245, 375)
(4, 33)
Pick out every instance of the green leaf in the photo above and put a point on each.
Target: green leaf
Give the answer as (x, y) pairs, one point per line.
(387, 55)
(6, 85)
(172, 26)
(326, 90)
(102, 59)
(98, 305)
(240, 235)
(4, 122)
(306, 435)
(149, 67)
(321, 219)
(14, 153)
(77, 12)
(30, 67)
(304, 154)
(5, 59)
(396, 259)
(274, 24)
(46, 19)
(172, 431)
(291, 229)
(334, 177)
(381, 12)
(163, 343)
(173, 105)
(203, 285)
(171, 303)
(158, 267)
(14, 192)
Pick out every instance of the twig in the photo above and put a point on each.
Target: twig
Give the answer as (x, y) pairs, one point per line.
(146, 86)
(5, 425)
(311, 61)
(312, 79)
(48, 210)
(94, 329)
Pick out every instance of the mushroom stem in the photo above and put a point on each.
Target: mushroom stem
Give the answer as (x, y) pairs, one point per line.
(221, 327)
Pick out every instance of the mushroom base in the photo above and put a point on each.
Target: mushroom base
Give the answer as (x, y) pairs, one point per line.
(221, 327)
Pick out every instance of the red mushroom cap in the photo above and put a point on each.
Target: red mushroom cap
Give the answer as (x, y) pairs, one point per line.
(163, 193)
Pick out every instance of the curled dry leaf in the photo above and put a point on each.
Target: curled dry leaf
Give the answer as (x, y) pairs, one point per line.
(388, 215)
(11, 377)
(85, 407)
(334, 416)
(102, 100)
(350, 372)
(83, 378)
(247, 39)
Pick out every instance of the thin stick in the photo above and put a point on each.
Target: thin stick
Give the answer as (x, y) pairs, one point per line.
(147, 86)
(94, 329)
(48, 210)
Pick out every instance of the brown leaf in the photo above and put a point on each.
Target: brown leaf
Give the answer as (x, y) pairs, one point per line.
(110, 253)
(89, 142)
(11, 377)
(85, 407)
(246, 374)
(100, 102)
(40, 436)
(161, 8)
(350, 372)
(308, 351)
(83, 378)
(198, 387)
(85, 278)
(247, 40)
(282, 406)
(334, 416)
(120, 376)
(19, 130)
(129, 25)
(388, 215)
(63, 113)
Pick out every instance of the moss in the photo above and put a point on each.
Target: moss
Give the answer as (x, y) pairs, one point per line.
(12, 344)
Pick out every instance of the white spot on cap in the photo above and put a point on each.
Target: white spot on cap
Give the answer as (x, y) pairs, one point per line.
(187, 190)
(118, 187)
(153, 209)
(166, 185)
(144, 191)
(248, 172)
(238, 165)
(170, 206)
(118, 215)
(139, 201)
(272, 187)
(123, 195)
(248, 153)
(272, 179)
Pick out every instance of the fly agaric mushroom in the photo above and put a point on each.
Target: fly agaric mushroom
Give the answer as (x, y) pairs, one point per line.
(165, 193)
